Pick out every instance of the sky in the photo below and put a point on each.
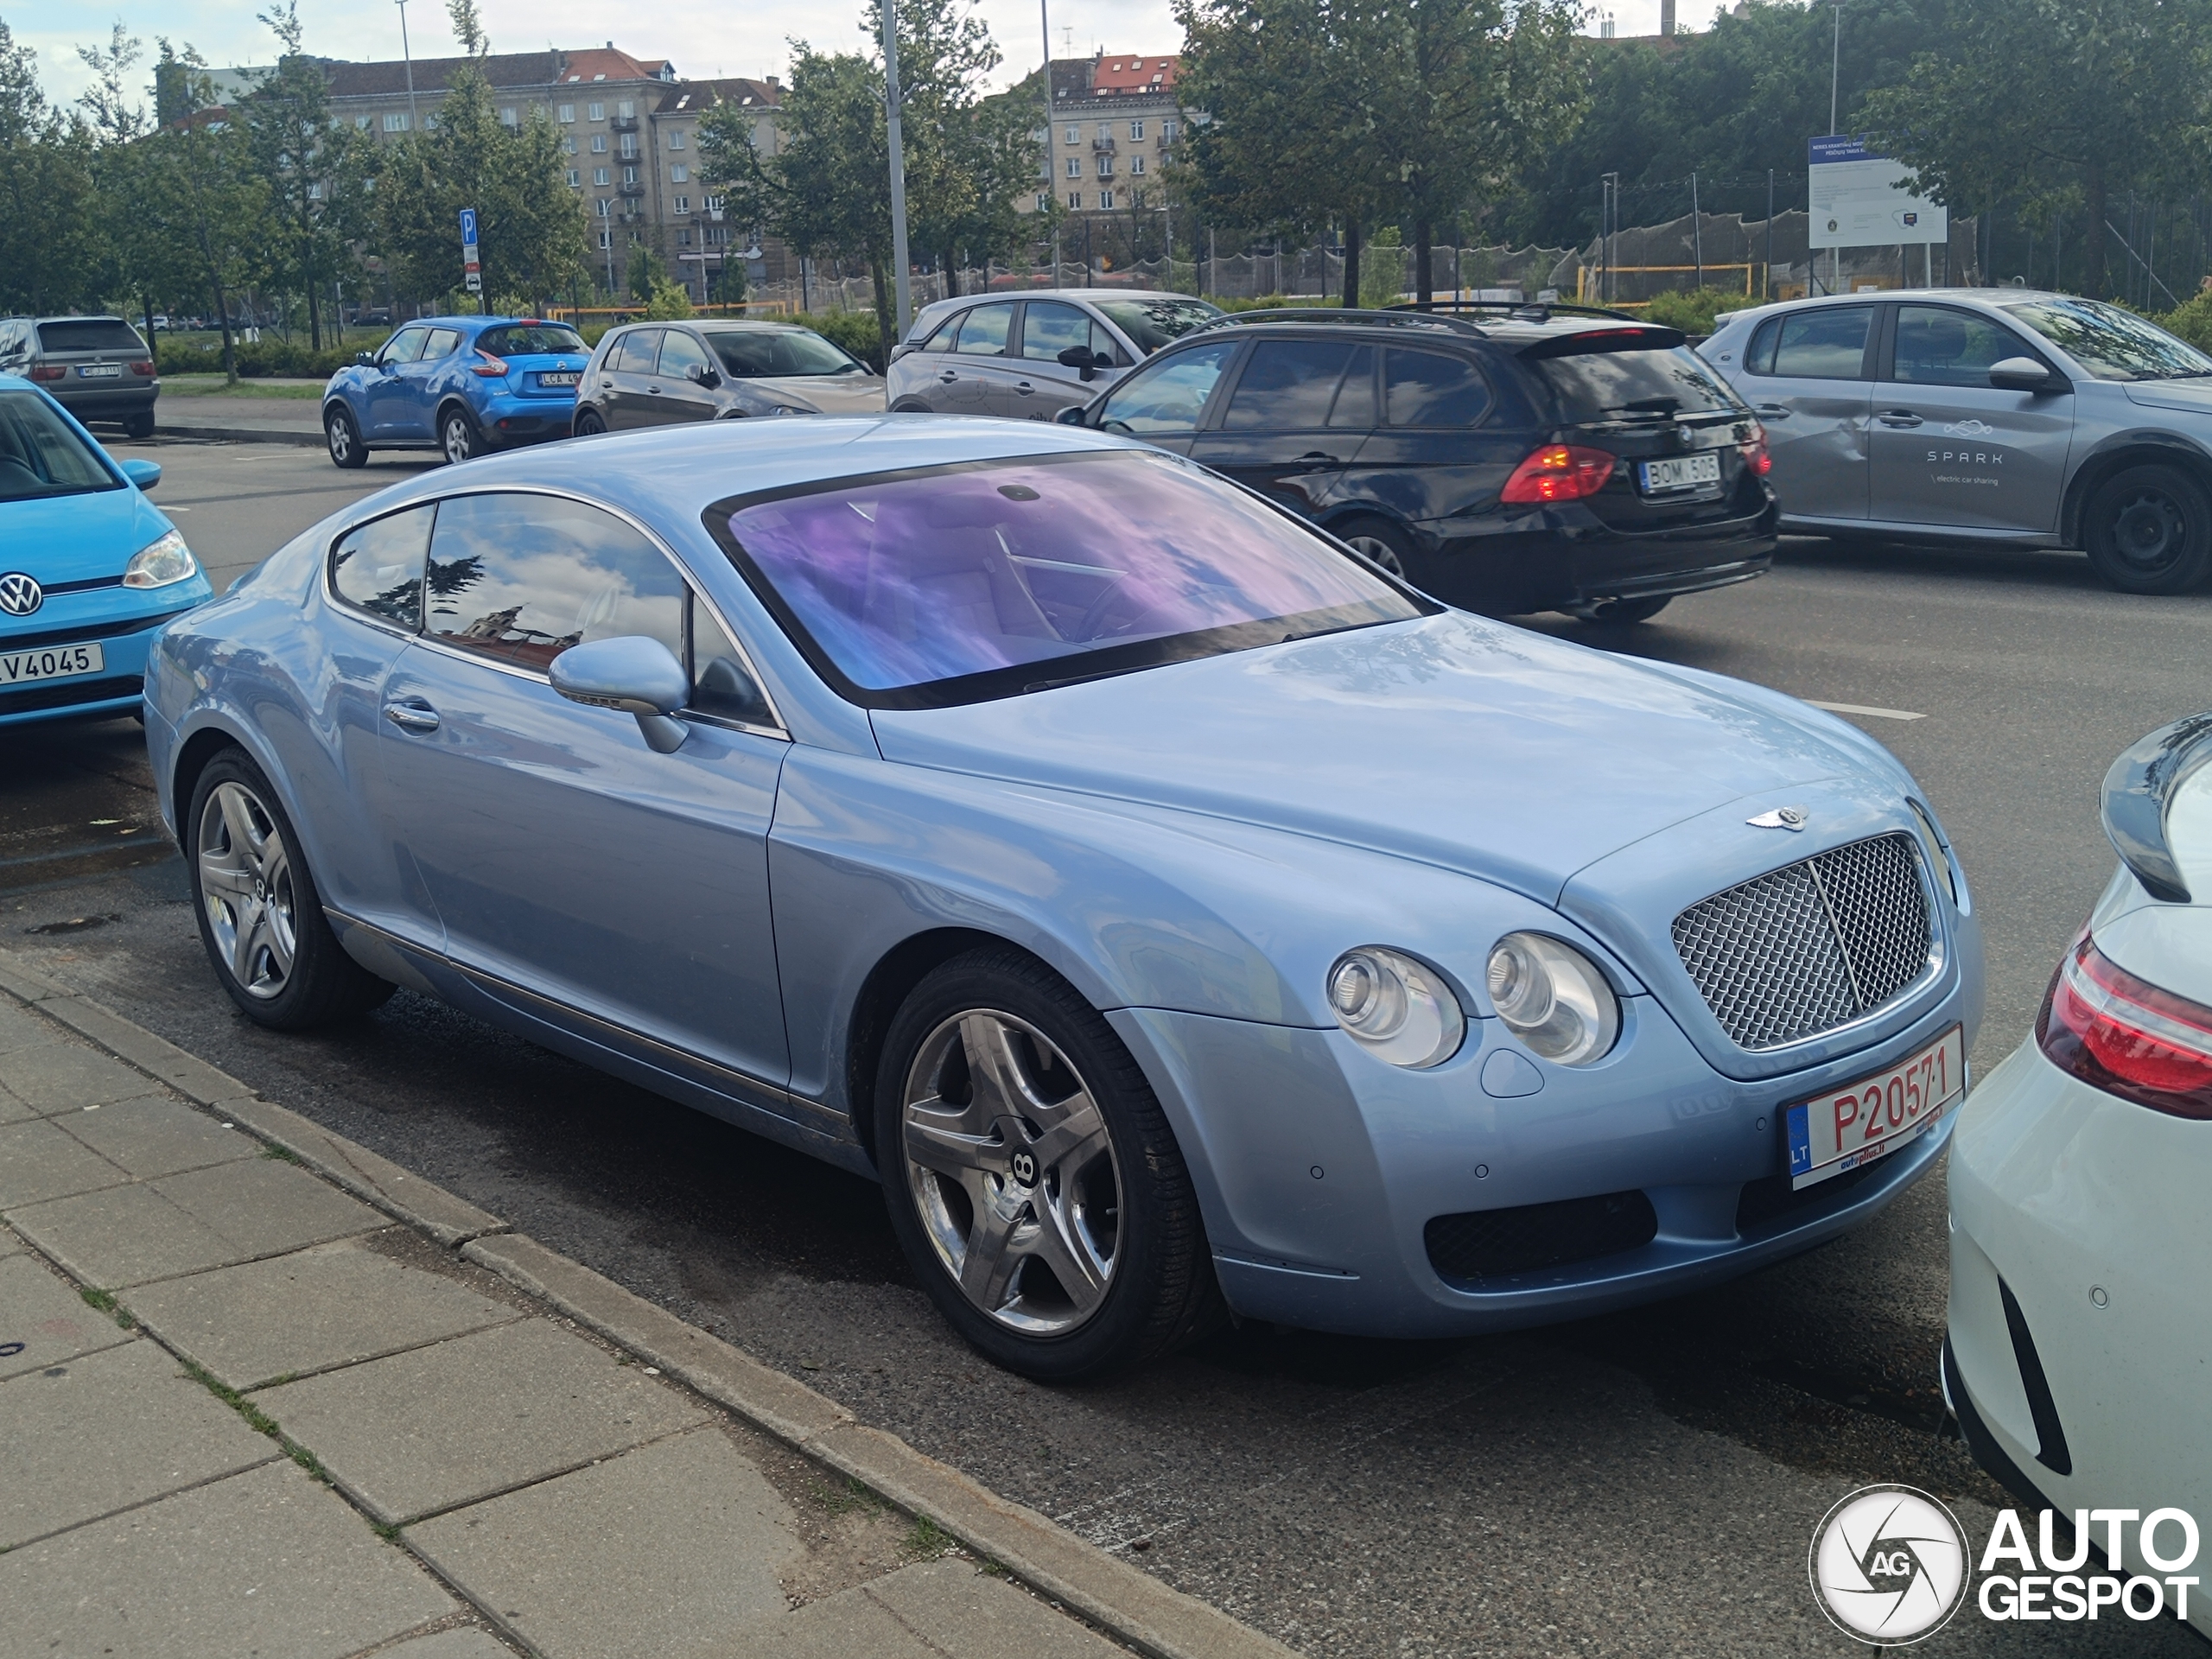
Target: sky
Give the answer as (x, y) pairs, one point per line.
(703, 37)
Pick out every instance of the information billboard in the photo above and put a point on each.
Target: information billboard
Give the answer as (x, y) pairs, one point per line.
(1859, 199)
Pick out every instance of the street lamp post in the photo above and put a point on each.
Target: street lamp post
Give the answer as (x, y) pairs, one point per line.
(897, 167)
(414, 115)
(1052, 184)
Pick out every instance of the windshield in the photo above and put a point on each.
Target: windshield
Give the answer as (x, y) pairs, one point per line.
(956, 584)
(89, 334)
(2111, 344)
(1151, 323)
(1602, 386)
(532, 340)
(751, 354)
(41, 456)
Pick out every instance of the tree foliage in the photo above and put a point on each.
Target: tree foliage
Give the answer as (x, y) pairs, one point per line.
(49, 220)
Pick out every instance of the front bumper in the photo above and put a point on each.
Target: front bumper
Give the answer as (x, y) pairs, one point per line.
(124, 630)
(1320, 1168)
(2060, 1193)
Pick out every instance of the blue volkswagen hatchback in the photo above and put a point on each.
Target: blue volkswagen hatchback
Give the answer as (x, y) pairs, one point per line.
(1167, 905)
(461, 385)
(89, 567)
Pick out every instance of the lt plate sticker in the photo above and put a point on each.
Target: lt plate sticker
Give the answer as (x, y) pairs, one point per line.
(1839, 1131)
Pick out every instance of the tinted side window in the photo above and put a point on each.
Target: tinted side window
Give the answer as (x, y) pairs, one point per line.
(1050, 328)
(983, 331)
(1169, 396)
(442, 342)
(1824, 344)
(636, 353)
(520, 578)
(1759, 360)
(1430, 389)
(1938, 346)
(90, 334)
(378, 567)
(720, 684)
(1288, 385)
(680, 354)
(943, 339)
(1355, 405)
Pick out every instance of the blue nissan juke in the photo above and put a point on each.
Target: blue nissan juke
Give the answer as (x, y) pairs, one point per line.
(89, 567)
(462, 385)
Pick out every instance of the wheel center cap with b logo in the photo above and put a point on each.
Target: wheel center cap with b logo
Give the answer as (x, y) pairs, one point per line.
(19, 594)
(1024, 1166)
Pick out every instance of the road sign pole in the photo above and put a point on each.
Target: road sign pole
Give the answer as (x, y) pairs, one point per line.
(472, 267)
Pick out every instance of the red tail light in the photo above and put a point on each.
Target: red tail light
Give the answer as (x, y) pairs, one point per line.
(1755, 452)
(2101, 1024)
(490, 368)
(48, 372)
(1558, 472)
(142, 367)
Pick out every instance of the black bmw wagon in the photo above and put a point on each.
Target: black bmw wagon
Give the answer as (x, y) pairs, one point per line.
(1525, 459)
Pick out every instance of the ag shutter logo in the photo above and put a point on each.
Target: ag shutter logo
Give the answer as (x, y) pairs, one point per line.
(1889, 1564)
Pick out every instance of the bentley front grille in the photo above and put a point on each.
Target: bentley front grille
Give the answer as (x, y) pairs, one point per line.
(1812, 946)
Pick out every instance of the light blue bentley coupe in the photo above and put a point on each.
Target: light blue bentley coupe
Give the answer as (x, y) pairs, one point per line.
(1169, 907)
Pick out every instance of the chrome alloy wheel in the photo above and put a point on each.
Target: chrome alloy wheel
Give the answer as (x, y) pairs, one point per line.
(1013, 1172)
(245, 881)
(460, 438)
(1378, 551)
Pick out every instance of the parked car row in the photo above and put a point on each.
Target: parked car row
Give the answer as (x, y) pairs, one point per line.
(98, 368)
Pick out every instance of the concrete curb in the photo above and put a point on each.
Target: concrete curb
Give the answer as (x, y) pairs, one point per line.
(238, 435)
(1125, 1602)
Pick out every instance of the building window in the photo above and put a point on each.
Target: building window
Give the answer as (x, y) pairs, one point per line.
(1136, 164)
(629, 175)
(714, 204)
(678, 174)
(606, 208)
(1166, 132)
(1106, 166)
(395, 123)
(1075, 134)
(1106, 130)
(682, 237)
(361, 121)
(567, 114)
(676, 138)
(1105, 201)
(629, 144)
(575, 178)
(683, 204)
(637, 238)
(1075, 199)
(599, 143)
(509, 116)
(569, 142)
(599, 175)
(1136, 132)
(1043, 202)
(606, 239)
(1075, 167)
(598, 112)
(430, 124)
(626, 109)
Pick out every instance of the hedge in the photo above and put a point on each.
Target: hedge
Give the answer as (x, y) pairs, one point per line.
(266, 357)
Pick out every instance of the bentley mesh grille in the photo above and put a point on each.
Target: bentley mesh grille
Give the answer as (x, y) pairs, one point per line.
(1810, 947)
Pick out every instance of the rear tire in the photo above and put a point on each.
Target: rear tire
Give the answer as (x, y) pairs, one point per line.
(1621, 610)
(344, 437)
(260, 920)
(590, 423)
(2148, 529)
(139, 426)
(1062, 1239)
(457, 435)
(1379, 541)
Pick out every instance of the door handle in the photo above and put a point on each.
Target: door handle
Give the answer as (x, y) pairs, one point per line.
(1898, 417)
(411, 715)
(1023, 387)
(1313, 459)
(1770, 411)
(655, 390)
(948, 376)
(605, 383)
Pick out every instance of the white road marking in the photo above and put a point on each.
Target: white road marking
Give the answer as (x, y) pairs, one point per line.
(1872, 714)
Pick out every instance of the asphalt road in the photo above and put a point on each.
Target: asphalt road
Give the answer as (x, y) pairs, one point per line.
(1642, 1484)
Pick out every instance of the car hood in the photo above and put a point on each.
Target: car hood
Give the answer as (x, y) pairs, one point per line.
(2186, 397)
(825, 394)
(1453, 741)
(77, 537)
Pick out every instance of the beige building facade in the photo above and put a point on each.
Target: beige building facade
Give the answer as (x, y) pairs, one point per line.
(1115, 119)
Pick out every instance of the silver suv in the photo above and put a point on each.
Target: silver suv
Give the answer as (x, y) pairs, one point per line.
(98, 368)
(2003, 417)
(1034, 353)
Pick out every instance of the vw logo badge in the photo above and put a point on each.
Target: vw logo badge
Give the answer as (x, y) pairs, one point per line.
(19, 594)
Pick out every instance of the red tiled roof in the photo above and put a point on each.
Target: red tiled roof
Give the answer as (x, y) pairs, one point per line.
(1119, 72)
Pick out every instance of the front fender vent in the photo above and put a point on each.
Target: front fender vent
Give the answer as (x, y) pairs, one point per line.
(1813, 945)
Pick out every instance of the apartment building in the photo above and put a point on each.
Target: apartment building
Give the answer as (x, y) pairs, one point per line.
(1115, 118)
(628, 127)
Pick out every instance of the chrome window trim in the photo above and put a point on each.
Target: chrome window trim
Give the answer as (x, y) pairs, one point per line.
(699, 595)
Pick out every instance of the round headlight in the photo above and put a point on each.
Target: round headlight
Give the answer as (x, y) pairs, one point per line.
(1554, 999)
(1397, 1007)
(160, 563)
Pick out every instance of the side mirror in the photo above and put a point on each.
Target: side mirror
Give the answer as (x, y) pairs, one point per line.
(144, 474)
(1082, 358)
(636, 675)
(1071, 415)
(362, 360)
(700, 375)
(2023, 374)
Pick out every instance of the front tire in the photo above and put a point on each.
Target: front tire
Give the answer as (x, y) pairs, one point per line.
(590, 423)
(457, 437)
(139, 426)
(343, 436)
(2149, 530)
(1032, 1177)
(259, 918)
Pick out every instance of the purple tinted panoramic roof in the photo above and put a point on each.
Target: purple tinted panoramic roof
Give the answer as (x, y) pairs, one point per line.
(914, 580)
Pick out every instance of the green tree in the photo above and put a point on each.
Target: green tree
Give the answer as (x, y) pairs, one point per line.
(2033, 102)
(216, 206)
(312, 168)
(531, 225)
(50, 254)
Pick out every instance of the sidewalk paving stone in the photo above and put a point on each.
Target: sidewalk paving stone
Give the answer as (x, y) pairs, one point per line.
(333, 1305)
(266, 1205)
(436, 1427)
(38, 1161)
(844, 1626)
(265, 1563)
(108, 1431)
(158, 1136)
(62, 1078)
(48, 1318)
(681, 1539)
(995, 1620)
(20, 1029)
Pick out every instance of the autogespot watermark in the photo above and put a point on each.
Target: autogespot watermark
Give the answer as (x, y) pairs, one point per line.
(1890, 1565)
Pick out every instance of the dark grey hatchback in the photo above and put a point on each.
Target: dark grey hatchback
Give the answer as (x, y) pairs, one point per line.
(1526, 459)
